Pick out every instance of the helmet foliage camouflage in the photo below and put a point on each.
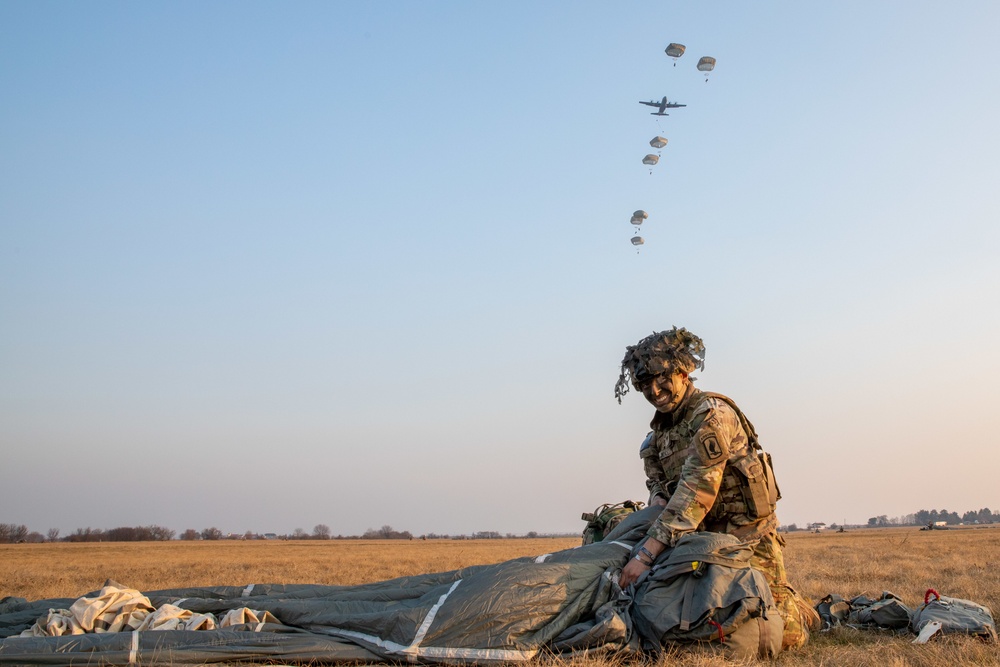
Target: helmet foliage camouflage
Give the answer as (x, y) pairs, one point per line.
(658, 354)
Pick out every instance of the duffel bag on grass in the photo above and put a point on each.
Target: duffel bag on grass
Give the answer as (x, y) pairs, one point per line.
(943, 615)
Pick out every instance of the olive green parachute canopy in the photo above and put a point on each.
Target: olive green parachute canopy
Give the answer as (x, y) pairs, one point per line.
(558, 603)
(650, 159)
(638, 217)
(658, 354)
(637, 240)
(675, 50)
(706, 64)
(658, 142)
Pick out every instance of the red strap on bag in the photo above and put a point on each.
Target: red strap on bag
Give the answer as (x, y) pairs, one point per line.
(722, 635)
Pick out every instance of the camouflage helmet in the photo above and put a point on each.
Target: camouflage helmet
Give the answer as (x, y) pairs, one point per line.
(658, 354)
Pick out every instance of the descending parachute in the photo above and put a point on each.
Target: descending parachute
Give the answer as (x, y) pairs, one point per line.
(650, 160)
(658, 142)
(675, 51)
(636, 220)
(706, 64)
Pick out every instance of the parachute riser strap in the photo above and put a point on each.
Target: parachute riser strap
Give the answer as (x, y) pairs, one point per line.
(685, 623)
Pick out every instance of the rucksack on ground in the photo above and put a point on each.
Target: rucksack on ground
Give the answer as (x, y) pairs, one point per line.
(944, 615)
(704, 592)
(603, 520)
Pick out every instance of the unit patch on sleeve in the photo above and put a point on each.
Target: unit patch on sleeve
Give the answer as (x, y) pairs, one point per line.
(710, 449)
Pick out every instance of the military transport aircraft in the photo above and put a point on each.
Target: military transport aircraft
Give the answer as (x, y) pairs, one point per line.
(661, 106)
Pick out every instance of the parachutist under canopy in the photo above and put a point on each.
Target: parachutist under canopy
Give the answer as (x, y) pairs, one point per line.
(706, 64)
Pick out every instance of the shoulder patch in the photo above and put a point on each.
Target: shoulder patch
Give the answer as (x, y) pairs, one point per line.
(710, 448)
(647, 443)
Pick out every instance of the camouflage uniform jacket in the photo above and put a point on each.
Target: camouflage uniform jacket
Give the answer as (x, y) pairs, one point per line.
(688, 458)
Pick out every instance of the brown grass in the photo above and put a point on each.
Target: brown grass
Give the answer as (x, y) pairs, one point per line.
(37, 571)
(906, 561)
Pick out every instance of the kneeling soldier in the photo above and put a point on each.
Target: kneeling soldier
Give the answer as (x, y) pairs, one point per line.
(706, 469)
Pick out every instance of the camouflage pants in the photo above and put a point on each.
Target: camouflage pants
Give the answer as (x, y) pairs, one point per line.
(767, 558)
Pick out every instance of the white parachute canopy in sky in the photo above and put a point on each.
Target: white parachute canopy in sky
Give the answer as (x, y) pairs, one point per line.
(658, 142)
(638, 217)
(675, 51)
(706, 64)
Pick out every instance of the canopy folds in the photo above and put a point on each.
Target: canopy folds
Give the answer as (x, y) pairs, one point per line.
(567, 601)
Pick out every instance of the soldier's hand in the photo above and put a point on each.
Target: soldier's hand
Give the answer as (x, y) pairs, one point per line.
(632, 572)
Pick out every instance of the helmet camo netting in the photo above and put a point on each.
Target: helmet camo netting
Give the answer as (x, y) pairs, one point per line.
(660, 353)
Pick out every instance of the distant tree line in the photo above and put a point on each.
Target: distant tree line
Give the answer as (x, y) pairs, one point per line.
(17, 533)
(386, 533)
(122, 534)
(918, 518)
(925, 517)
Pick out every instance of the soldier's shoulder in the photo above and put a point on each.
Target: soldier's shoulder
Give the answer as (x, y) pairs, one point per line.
(709, 402)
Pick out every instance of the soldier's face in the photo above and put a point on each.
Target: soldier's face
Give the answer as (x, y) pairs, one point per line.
(665, 392)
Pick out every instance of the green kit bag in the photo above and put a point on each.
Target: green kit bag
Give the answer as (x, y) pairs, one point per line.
(704, 593)
(603, 520)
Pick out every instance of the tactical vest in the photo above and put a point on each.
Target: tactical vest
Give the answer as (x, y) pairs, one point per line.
(749, 491)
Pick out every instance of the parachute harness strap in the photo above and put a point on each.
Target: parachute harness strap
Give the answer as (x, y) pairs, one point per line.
(689, 586)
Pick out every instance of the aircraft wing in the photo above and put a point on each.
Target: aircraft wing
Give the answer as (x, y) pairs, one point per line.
(673, 106)
(650, 104)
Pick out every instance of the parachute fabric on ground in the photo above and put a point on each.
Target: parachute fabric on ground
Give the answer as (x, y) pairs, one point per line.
(565, 602)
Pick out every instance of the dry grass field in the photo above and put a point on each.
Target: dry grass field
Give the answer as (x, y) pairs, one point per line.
(962, 563)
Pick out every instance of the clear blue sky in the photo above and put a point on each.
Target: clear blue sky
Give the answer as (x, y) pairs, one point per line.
(270, 265)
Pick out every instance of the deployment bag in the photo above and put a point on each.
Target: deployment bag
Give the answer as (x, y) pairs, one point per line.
(833, 610)
(704, 592)
(951, 615)
(887, 612)
(603, 520)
